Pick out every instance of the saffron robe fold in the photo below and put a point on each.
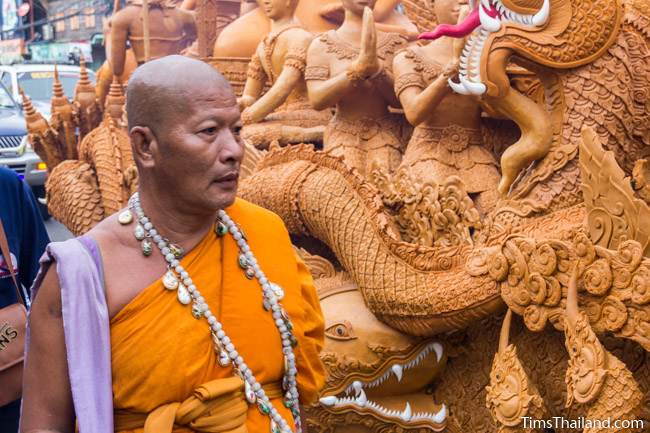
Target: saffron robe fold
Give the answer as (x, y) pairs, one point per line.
(160, 353)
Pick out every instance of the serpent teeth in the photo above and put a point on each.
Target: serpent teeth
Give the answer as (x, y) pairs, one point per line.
(398, 370)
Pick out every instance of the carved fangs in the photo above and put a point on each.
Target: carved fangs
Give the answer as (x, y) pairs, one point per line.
(355, 395)
(492, 14)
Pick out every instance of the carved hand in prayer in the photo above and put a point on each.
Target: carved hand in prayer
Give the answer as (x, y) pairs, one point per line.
(451, 69)
(367, 64)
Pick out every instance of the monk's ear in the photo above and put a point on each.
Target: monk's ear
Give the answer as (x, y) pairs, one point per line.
(144, 145)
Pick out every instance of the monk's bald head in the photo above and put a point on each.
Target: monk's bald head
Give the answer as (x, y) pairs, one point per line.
(162, 91)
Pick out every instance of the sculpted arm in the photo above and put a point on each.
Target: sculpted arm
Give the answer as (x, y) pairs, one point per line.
(119, 34)
(47, 398)
(418, 101)
(255, 79)
(189, 25)
(323, 91)
(384, 82)
(292, 73)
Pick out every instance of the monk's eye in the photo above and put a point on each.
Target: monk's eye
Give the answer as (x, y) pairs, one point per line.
(210, 131)
(341, 331)
(236, 130)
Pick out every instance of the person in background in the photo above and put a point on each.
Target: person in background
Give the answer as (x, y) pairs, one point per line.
(27, 239)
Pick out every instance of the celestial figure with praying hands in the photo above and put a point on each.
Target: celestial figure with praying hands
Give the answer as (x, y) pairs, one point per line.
(280, 62)
(197, 314)
(447, 138)
(350, 68)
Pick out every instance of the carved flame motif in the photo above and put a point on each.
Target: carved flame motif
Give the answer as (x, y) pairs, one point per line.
(511, 395)
(615, 213)
(428, 214)
(595, 377)
(586, 372)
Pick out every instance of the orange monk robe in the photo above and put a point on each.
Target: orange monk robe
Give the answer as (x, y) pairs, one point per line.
(161, 353)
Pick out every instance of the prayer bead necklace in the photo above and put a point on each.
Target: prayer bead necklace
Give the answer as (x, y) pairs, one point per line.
(177, 279)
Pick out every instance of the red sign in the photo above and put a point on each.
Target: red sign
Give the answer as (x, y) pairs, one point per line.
(23, 9)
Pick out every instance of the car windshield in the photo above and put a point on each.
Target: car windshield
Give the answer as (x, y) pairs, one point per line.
(38, 84)
(5, 99)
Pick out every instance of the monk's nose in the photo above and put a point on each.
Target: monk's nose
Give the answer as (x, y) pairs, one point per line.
(232, 149)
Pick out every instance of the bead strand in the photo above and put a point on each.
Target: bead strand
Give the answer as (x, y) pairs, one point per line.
(221, 340)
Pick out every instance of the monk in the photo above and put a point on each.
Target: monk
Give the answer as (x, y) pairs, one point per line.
(188, 311)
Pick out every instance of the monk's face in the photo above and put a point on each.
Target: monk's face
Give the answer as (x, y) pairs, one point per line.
(199, 151)
(357, 6)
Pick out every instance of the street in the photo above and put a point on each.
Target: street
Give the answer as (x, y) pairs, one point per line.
(57, 231)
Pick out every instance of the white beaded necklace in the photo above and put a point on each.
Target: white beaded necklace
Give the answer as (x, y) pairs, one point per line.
(177, 279)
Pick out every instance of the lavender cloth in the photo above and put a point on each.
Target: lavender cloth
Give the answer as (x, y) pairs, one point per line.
(86, 328)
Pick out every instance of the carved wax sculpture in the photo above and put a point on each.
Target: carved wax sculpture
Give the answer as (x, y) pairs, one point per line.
(511, 395)
(447, 138)
(595, 378)
(104, 75)
(428, 213)
(316, 16)
(560, 35)
(350, 68)
(56, 140)
(377, 378)
(155, 31)
(615, 214)
(81, 192)
(280, 61)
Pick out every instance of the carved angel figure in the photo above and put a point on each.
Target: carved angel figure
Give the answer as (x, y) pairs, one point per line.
(283, 112)
(350, 68)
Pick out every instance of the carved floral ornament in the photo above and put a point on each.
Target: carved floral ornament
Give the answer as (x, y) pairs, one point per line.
(533, 277)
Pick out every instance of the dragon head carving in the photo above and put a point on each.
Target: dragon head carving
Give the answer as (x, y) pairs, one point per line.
(377, 376)
(554, 33)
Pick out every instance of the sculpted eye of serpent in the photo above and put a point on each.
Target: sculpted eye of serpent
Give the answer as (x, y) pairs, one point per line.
(341, 331)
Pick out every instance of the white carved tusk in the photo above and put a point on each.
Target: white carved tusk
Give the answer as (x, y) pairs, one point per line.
(437, 347)
(330, 400)
(441, 415)
(541, 17)
(397, 370)
(406, 414)
(472, 87)
(487, 22)
(458, 87)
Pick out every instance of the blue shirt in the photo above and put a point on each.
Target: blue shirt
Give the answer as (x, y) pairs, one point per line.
(25, 232)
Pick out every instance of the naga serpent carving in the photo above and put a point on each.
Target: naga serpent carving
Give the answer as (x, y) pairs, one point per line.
(90, 176)
(578, 49)
(378, 377)
(588, 65)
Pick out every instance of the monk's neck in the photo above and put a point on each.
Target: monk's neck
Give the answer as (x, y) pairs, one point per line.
(183, 228)
(282, 23)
